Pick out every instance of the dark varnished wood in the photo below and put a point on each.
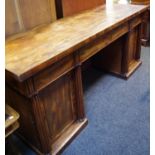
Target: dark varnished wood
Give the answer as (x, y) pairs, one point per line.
(145, 31)
(79, 89)
(43, 70)
(27, 121)
(122, 57)
(103, 41)
(51, 74)
(51, 118)
(110, 58)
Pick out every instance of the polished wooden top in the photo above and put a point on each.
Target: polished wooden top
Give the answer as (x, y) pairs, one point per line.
(31, 52)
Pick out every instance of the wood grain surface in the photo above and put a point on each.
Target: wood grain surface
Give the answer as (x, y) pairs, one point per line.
(33, 51)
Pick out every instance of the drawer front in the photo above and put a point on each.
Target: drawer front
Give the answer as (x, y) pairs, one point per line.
(119, 31)
(100, 43)
(94, 47)
(52, 73)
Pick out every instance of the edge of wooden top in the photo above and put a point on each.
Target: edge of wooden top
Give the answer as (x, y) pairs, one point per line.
(52, 60)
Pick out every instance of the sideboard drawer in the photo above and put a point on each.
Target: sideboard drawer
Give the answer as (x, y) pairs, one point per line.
(52, 73)
(119, 31)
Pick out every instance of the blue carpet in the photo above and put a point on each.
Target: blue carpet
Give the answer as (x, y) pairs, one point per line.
(118, 114)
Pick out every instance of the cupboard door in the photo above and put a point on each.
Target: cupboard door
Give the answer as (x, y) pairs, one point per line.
(59, 101)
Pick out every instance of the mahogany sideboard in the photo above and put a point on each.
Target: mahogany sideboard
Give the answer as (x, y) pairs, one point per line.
(43, 70)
